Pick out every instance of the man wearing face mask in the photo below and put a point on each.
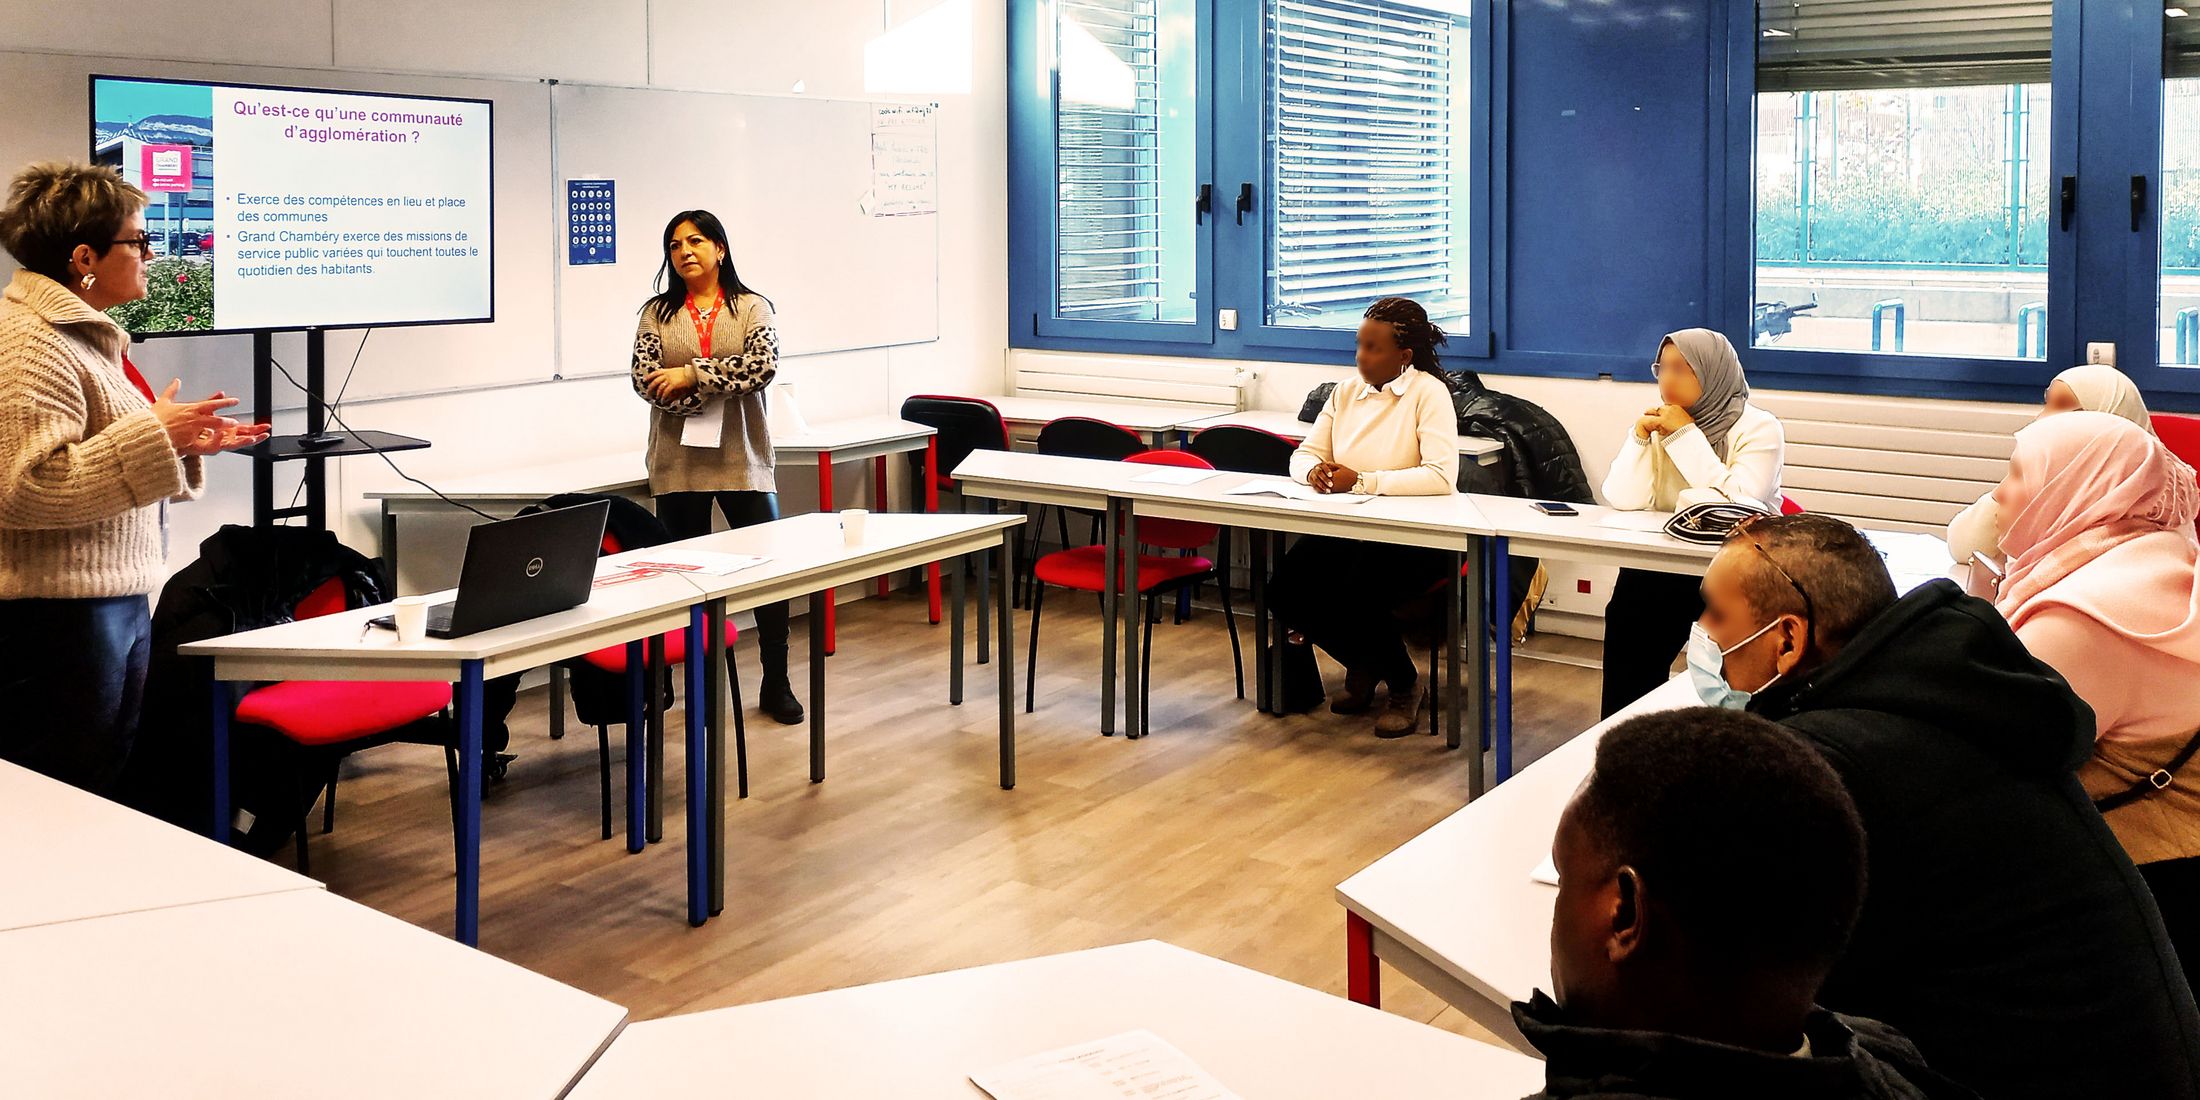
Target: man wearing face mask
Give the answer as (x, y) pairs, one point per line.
(2005, 931)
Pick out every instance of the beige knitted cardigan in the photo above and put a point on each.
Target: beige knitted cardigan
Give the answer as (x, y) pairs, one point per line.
(87, 465)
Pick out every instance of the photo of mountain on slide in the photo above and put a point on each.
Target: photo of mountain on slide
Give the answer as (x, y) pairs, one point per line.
(161, 138)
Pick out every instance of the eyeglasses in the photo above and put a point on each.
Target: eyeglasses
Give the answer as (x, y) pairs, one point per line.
(1810, 609)
(142, 242)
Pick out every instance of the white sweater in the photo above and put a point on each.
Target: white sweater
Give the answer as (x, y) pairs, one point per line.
(1402, 440)
(1674, 471)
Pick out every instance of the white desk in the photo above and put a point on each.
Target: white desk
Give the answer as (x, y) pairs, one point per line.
(1484, 452)
(806, 557)
(1152, 421)
(626, 473)
(1262, 1037)
(287, 995)
(1452, 523)
(1454, 908)
(67, 855)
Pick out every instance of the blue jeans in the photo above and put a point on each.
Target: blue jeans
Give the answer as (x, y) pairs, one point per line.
(72, 679)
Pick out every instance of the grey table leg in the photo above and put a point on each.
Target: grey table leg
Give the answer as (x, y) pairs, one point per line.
(1109, 548)
(1006, 658)
(389, 546)
(955, 632)
(1257, 560)
(557, 702)
(714, 668)
(656, 689)
(984, 594)
(1134, 622)
(1477, 613)
(817, 687)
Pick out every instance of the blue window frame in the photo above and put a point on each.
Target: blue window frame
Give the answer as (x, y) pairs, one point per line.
(1287, 161)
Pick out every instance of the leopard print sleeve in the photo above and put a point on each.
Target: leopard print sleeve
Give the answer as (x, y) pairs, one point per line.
(649, 351)
(751, 370)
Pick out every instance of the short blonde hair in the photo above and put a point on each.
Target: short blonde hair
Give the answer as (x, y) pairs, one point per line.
(56, 205)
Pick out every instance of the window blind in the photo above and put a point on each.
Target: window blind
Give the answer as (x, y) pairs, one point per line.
(1363, 125)
(1838, 45)
(1108, 160)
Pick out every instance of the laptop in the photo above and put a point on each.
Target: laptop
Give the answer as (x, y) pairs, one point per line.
(519, 569)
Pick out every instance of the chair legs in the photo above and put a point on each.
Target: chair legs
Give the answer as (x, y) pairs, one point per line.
(1031, 658)
(328, 798)
(1229, 619)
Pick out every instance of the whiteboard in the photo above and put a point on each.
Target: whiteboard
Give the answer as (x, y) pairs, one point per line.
(810, 214)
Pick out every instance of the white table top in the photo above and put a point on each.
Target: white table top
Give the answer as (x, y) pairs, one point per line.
(1262, 1037)
(1459, 895)
(624, 471)
(1594, 535)
(66, 855)
(1289, 426)
(806, 553)
(1138, 416)
(286, 995)
(1445, 522)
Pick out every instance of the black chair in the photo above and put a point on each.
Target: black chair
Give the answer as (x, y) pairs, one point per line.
(1244, 450)
(1074, 437)
(964, 424)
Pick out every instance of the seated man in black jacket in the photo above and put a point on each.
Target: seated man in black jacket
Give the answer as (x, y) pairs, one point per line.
(2005, 930)
(1710, 870)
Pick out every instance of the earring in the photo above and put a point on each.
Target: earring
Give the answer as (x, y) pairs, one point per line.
(88, 280)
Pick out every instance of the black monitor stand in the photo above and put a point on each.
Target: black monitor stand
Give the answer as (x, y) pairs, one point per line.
(321, 441)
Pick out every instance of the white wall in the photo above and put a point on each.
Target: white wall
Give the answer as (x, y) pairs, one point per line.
(765, 46)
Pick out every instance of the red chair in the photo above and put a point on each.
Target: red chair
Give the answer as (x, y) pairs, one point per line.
(1788, 507)
(327, 720)
(2181, 434)
(1084, 569)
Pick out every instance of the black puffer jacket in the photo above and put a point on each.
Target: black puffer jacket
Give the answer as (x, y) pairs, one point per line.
(1850, 1059)
(245, 578)
(2005, 931)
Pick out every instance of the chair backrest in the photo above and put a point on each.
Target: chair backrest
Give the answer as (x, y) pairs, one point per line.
(327, 598)
(964, 424)
(1174, 534)
(1244, 450)
(2181, 434)
(1082, 437)
(1788, 507)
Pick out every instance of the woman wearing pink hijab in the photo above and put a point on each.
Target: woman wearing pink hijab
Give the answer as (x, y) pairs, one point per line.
(2101, 586)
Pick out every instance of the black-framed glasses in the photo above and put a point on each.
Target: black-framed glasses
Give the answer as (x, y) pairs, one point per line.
(1810, 609)
(142, 242)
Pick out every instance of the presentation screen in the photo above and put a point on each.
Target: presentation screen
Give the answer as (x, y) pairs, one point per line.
(292, 208)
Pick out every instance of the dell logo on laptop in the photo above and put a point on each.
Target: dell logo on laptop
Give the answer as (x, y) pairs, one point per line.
(534, 567)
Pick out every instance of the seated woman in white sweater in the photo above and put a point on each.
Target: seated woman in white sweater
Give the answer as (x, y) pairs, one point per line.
(1704, 441)
(1391, 431)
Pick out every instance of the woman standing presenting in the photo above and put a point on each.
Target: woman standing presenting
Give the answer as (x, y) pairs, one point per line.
(703, 353)
(89, 458)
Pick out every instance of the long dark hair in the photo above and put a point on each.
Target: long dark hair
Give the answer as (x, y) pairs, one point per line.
(1410, 326)
(672, 290)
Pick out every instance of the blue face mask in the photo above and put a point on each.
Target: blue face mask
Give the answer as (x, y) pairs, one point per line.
(1707, 669)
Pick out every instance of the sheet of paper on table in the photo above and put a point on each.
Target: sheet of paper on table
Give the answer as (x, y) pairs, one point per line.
(1652, 522)
(1291, 490)
(1176, 475)
(1136, 1065)
(621, 570)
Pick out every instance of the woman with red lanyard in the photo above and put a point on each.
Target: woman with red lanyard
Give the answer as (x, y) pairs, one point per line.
(89, 459)
(703, 353)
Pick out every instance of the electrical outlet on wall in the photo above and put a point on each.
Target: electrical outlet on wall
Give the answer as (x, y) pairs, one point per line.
(1227, 318)
(2101, 353)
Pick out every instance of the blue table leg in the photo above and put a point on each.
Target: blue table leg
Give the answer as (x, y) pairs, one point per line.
(469, 804)
(637, 751)
(220, 748)
(699, 764)
(1501, 678)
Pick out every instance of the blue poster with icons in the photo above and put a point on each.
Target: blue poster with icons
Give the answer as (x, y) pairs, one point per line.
(591, 235)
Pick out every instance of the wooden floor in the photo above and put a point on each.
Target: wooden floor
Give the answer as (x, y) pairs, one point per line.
(1225, 832)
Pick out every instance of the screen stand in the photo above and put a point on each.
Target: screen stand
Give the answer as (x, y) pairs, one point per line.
(315, 448)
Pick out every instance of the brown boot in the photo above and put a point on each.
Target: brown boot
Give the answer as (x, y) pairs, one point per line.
(1358, 694)
(1401, 713)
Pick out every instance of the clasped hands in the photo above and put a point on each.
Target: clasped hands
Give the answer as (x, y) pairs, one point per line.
(1329, 477)
(1665, 419)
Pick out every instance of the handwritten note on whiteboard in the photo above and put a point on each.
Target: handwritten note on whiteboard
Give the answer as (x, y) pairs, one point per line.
(904, 161)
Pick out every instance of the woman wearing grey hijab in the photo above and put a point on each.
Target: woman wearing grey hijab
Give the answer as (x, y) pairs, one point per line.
(1702, 441)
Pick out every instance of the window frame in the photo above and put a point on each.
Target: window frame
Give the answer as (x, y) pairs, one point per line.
(1231, 258)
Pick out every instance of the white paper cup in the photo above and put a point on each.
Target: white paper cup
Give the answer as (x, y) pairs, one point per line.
(411, 613)
(851, 525)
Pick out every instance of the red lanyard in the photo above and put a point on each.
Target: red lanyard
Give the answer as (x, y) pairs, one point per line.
(130, 369)
(703, 331)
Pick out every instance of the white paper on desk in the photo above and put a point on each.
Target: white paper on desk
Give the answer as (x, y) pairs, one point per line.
(1291, 490)
(1545, 872)
(1652, 522)
(1136, 1065)
(1176, 475)
(693, 561)
(706, 429)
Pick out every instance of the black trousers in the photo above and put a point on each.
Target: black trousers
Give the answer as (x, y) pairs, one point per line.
(687, 516)
(1339, 593)
(72, 681)
(2176, 887)
(1645, 625)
